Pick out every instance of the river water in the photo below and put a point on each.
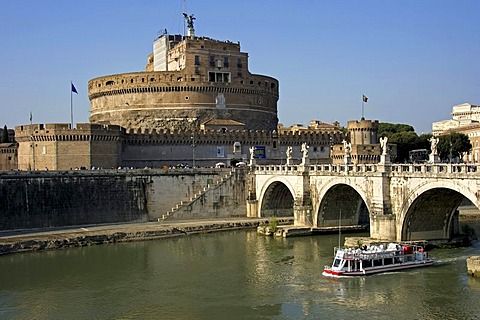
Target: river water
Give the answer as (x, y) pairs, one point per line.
(228, 275)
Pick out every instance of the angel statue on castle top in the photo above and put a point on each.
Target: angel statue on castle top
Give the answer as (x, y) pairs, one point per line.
(189, 19)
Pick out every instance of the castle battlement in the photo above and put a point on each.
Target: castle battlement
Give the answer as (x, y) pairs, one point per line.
(64, 132)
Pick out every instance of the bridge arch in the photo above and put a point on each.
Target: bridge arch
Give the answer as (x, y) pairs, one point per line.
(276, 199)
(341, 201)
(430, 211)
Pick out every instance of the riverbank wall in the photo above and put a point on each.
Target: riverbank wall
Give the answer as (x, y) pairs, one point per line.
(81, 237)
(43, 199)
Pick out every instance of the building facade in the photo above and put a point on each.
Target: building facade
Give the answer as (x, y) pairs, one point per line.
(466, 120)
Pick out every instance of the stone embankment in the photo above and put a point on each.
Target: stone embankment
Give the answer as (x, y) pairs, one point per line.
(88, 236)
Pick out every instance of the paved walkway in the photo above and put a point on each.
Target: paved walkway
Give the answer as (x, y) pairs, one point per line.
(92, 230)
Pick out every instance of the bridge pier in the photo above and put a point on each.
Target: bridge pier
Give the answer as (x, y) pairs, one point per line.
(303, 215)
(303, 208)
(383, 227)
(252, 208)
(252, 201)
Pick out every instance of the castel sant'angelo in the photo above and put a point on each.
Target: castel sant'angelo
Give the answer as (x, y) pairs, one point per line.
(196, 104)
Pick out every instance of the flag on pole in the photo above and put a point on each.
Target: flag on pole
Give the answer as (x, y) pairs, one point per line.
(365, 99)
(31, 116)
(74, 90)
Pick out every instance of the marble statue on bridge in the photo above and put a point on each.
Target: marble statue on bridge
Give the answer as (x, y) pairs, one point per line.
(383, 144)
(305, 153)
(433, 145)
(289, 155)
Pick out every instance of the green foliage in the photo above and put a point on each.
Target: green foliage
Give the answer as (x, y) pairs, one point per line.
(273, 225)
(404, 136)
(423, 141)
(453, 145)
(4, 138)
(387, 129)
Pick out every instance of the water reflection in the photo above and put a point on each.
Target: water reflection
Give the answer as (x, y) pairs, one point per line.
(226, 275)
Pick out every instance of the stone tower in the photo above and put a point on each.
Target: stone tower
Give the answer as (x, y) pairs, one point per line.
(188, 81)
(363, 131)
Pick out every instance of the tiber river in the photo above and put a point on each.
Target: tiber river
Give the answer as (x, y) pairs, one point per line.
(228, 275)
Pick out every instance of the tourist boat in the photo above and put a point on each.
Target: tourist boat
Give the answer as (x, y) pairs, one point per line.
(373, 259)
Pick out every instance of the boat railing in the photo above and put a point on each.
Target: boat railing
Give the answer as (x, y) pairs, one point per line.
(359, 254)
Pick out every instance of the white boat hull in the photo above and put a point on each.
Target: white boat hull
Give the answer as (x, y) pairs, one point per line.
(375, 270)
(352, 262)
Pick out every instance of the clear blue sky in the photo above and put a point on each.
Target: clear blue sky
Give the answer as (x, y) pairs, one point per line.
(414, 59)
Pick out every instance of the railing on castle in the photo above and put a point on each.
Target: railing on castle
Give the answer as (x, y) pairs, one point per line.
(393, 169)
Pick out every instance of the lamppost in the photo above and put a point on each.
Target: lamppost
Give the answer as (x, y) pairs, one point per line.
(450, 155)
(331, 148)
(193, 149)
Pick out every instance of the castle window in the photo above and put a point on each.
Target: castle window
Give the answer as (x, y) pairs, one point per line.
(152, 79)
(225, 62)
(211, 76)
(197, 70)
(272, 86)
(212, 61)
(274, 144)
(131, 80)
(44, 150)
(219, 77)
(240, 74)
(251, 82)
(239, 63)
(110, 83)
(197, 60)
(187, 97)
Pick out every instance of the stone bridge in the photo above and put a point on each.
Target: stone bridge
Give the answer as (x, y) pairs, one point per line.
(400, 202)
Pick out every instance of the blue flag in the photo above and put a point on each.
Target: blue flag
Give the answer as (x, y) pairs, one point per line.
(74, 89)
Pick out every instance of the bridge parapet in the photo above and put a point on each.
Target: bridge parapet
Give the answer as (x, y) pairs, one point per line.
(393, 169)
(441, 169)
(318, 169)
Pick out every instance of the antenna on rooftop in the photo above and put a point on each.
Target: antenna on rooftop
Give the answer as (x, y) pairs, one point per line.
(184, 20)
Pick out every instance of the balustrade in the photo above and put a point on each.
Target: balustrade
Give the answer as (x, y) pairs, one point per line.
(395, 169)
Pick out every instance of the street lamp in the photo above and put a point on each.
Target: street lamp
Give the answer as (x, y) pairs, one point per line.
(193, 149)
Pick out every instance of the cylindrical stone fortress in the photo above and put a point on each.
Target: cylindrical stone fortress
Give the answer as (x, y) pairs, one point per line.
(205, 79)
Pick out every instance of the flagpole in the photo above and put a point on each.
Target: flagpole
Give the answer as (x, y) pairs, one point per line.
(71, 104)
(364, 99)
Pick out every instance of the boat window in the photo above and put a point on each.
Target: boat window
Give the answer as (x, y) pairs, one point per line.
(388, 261)
(367, 263)
(377, 262)
(336, 263)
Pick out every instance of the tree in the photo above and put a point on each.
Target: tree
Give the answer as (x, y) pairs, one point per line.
(404, 136)
(4, 138)
(386, 129)
(452, 146)
(405, 141)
